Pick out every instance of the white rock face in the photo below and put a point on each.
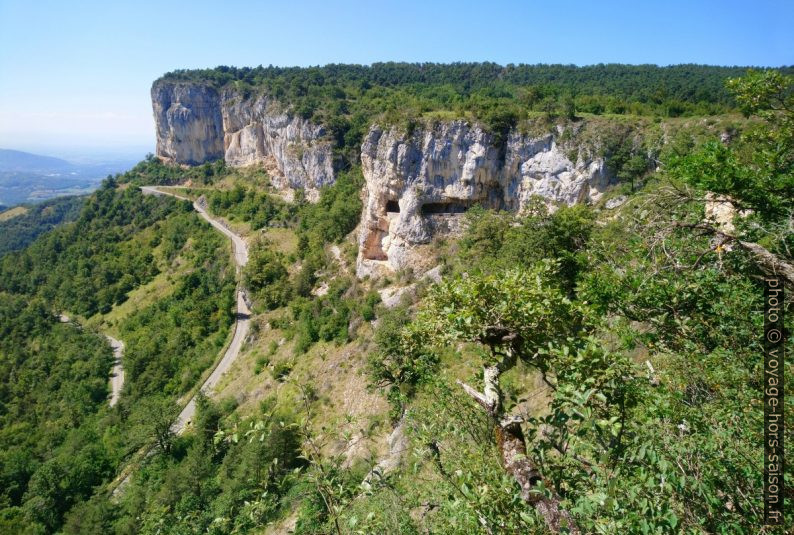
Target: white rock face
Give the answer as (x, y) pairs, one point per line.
(611, 204)
(419, 186)
(188, 121)
(257, 132)
(197, 124)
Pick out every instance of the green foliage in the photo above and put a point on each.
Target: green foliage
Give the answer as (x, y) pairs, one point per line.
(497, 240)
(326, 222)
(200, 309)
(266, 276)
(758, 172)
(629, 449)
(629, 457)
(454, 440)
(18, 232)
(582, 298)
(367, 308)
(231, 478)
(154, 172)
(347, 99)
(258, 208)
(324, 318)
(403, 359)
(90, 265)
(53, 378)
(333, 217)
(59, 440)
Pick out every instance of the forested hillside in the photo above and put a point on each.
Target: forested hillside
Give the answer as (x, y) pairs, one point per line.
(347, 99)
(594, 368)
(18, 231)
(59, 441)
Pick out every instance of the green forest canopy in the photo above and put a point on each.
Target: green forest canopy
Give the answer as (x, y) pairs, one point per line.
(347, 99)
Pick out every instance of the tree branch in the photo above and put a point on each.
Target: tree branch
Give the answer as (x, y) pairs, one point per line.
(513, 449)
(477, 396)
(770, 263)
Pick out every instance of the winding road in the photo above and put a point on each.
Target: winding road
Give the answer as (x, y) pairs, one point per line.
(240, 247)
(241, 325)
(117, 371)
(242, 322)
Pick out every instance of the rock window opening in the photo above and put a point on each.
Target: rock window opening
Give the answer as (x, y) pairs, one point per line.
(444, 208)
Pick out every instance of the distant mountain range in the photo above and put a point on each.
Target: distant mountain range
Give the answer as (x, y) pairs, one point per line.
(27, 177)
(16, 160)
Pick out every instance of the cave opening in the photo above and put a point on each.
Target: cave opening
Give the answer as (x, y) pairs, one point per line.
(444, 208)
(392, 207)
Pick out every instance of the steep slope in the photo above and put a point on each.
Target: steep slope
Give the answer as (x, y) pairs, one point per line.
(583, 355)
(419, 186)
(421, 172)
(18, 231)
(545, 383)
(240, 252)
(120, 244)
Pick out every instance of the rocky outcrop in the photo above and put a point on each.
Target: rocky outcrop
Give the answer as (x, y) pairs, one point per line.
(196, 124)
(419, 185)
(188, 122)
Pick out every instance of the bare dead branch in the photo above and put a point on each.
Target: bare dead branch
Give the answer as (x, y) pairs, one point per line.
(770, 263)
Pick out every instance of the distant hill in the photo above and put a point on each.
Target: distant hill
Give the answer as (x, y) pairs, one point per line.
(16, 160)
(20, 225)
(26, 177)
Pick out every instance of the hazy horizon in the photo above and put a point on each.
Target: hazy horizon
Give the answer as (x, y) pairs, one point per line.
(85, 153)
(77, 80)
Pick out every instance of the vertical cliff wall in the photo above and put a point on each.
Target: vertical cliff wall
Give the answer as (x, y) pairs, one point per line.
(197, 123)
(188, 121)
(419, 185)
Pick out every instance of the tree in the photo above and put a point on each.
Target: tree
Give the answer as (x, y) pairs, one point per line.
(155, 420)
(755, 175)
(569, 107)
(266, 276)
(513, 315)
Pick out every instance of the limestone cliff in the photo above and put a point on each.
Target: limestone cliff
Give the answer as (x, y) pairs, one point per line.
(188, 122)
(196, 124)
(419, 185)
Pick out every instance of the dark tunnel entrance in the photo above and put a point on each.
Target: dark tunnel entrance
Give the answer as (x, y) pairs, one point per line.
(444, 208)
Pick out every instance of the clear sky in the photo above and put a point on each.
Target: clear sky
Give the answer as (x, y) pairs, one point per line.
(76, 74)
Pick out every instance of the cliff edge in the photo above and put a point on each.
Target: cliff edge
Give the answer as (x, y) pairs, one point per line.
(197, 123)
(417, 185)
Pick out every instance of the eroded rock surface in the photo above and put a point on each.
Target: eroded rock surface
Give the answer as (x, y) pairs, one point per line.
(197, 124)
(419, 185)
(188, 122)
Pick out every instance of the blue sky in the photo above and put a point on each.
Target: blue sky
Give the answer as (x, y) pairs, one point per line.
(76, 75)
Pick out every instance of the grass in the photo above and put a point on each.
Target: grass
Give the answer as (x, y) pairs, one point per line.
(11, 213)
(161, 286)
(158, 288)
(285, 240)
